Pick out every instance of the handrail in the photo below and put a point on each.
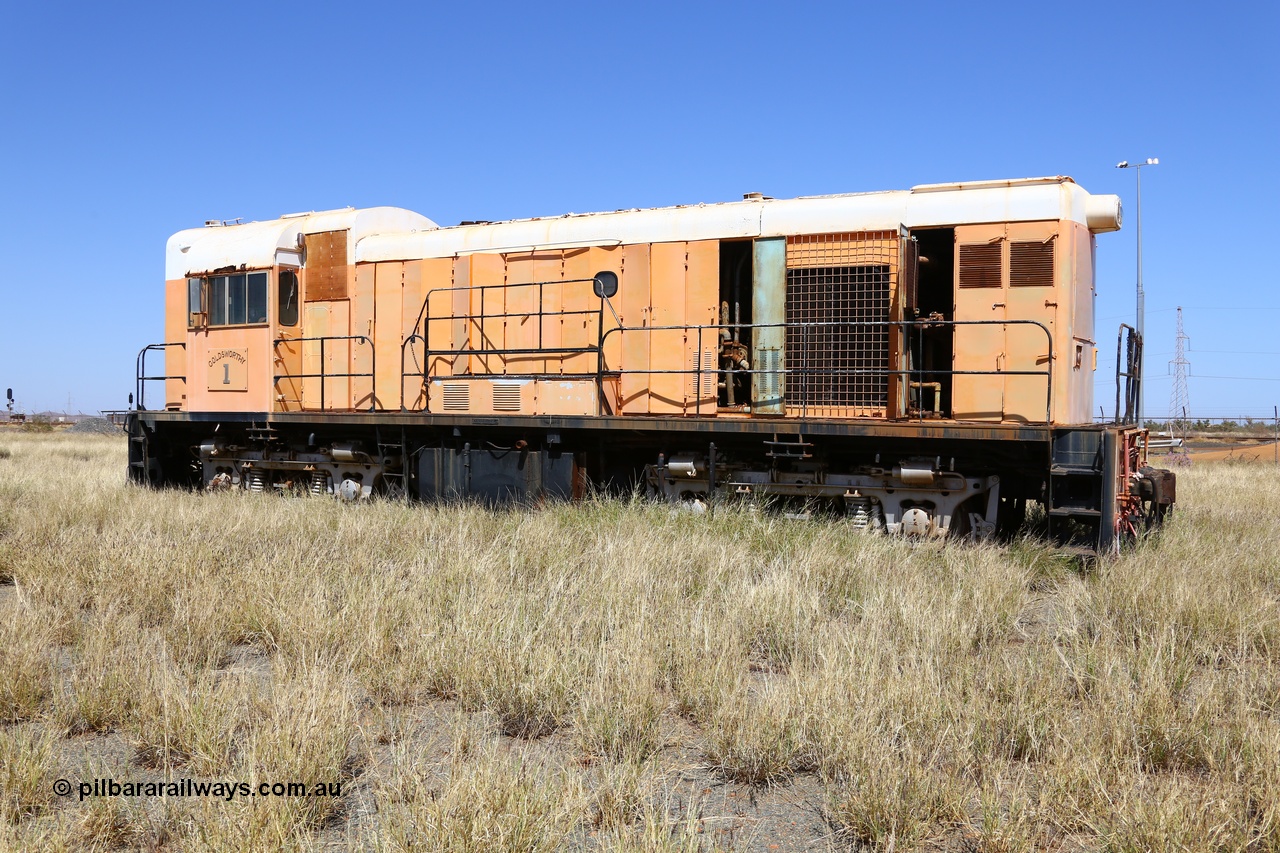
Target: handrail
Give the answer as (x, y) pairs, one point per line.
(323, 375)
(422, 332)
(916, 374)
(1132, 374)
(140, 378)
(905, 325)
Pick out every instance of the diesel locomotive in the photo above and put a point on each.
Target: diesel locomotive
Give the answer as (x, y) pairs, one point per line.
(921, 361)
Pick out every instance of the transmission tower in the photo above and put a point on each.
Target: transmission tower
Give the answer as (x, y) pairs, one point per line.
(1180, 398)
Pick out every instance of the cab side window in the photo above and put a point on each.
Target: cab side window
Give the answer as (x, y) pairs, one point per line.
(228, 300)
(287, 309)
(195, 301)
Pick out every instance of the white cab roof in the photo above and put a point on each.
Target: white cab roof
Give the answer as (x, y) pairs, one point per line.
(392, 234)
(256, 245)
(1019, 200)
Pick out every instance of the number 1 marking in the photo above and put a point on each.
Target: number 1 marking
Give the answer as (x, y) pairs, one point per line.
(226, 373)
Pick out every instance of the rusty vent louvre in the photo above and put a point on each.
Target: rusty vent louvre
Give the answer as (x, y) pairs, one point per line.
(506, 396)
(839, 289)
(1031, 263)
(326, 266)
(457, 397)
(980, 265)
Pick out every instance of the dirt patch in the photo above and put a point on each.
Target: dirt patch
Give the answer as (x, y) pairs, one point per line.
(1260, 453)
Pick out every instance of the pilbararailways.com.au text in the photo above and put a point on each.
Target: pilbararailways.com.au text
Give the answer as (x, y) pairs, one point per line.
(195, 788)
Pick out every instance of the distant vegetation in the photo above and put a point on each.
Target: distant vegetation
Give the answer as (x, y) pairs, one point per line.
(38, 423)
(622, 676)
(1246, 426)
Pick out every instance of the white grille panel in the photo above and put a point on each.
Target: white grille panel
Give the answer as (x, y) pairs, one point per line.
(506, 396)
(457, 397)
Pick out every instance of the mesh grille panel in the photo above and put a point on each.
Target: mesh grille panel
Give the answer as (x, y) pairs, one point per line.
(842, 282)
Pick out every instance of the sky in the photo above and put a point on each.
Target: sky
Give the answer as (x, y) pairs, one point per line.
(123, 123)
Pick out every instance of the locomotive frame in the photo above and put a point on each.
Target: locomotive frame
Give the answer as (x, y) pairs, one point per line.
(919, 360)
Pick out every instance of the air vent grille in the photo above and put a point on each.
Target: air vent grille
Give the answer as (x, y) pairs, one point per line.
(1031, 264)
(705, 374)
(457, 397)
(770, 376)
(980, 265)
(506, 396)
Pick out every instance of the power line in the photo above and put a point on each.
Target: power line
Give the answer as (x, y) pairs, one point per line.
(1240, 378)
(1248, 308)
(1238, 352)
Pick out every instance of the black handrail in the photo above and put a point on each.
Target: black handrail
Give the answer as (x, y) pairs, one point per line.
(1132, 374)
(140, 378)
(905, 325)
(422, 332)
(323, 374)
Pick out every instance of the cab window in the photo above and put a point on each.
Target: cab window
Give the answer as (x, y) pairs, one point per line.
(229, 300)
(287, 308)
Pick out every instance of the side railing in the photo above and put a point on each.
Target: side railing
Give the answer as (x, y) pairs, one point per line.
(140, 372)
(475, 324)
(324, 375)
(808, 376)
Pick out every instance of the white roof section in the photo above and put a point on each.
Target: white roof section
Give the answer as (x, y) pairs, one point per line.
(1017, 200)
(256, 245)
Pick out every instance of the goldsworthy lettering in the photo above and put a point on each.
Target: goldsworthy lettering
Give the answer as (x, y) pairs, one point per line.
(227, 353)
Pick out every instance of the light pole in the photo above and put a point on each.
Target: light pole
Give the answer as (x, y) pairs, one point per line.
(1142, 308)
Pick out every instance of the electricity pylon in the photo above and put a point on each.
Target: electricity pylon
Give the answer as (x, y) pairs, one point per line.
(1180, 397)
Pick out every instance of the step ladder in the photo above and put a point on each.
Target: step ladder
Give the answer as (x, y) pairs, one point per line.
(797, 449)
(397, 448)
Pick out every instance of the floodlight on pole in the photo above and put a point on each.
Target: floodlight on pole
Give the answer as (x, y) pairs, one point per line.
(1125, 164)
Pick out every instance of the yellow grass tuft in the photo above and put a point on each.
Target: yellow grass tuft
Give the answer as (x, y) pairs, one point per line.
(615, 675)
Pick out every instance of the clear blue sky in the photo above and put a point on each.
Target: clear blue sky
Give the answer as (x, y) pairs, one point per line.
(123, 123)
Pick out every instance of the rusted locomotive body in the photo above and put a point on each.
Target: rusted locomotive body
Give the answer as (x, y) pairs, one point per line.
(922, 360)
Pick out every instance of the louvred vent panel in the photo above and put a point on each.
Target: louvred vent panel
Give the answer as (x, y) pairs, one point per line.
(980, 265)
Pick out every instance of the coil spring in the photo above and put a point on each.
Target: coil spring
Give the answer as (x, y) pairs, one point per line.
(866, 513)
(257, 481)
(319, 483)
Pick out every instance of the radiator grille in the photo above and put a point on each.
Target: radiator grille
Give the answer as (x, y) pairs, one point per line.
(980, 265)
(838, 307)
(457, 397)
(1031, 264)
(506, 396)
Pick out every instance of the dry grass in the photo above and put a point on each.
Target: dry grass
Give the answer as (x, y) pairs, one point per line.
(613, 675)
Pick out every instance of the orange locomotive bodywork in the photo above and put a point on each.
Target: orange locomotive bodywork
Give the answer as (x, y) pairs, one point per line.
(843, 349)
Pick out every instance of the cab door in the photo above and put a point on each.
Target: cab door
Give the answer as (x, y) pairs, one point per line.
(980, 309)
(1031, 296)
